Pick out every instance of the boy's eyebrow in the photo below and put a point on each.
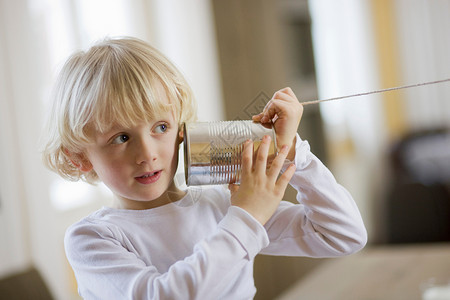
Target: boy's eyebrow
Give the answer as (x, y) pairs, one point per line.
(118, 127)
(105, 133)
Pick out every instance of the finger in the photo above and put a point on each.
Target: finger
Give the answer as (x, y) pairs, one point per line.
(275, 109)
(257, 117)
(285, 94)
(247, 157)
(284, 179)
(267, 114)
(289, 91)
(261, 155)
(262, 117)
(278, 162)
(270, 110)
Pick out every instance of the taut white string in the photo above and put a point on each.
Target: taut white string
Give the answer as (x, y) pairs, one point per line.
(375, 92)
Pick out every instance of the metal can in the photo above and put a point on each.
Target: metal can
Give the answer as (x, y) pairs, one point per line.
(213, 150)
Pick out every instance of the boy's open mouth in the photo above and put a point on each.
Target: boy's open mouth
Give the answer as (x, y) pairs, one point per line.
(149, 177)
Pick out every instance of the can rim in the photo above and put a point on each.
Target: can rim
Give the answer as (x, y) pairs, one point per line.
(186, 152)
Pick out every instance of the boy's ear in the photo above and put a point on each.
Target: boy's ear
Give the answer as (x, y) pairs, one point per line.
(85, 166)
(79, 160)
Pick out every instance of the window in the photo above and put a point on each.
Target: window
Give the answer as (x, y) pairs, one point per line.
(76, 24)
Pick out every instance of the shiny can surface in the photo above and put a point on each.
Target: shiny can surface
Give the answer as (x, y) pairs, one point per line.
(213, 150)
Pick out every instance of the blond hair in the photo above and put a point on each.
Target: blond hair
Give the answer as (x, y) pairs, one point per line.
(114, 82)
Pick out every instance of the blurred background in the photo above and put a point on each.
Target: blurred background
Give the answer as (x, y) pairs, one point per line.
(391, 150)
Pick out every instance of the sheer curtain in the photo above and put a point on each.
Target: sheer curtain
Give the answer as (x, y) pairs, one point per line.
(36, 36)
(75, 25)
(347, 62)
(423, 28)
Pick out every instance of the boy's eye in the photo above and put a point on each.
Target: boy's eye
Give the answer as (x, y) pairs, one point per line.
(120, 139)
(161, 128)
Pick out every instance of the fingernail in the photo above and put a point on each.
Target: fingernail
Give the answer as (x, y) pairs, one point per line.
(266, 138)
(284, 149)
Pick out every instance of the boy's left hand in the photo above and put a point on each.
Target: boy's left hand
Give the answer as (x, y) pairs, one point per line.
(285, 111)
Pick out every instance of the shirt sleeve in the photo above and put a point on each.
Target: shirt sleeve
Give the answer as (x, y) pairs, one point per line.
(105, 269)
(326, 221)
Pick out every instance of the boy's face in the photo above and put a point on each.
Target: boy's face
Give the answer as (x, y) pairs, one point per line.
(138, 164)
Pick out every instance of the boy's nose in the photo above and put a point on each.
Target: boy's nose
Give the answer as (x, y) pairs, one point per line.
(145, 153)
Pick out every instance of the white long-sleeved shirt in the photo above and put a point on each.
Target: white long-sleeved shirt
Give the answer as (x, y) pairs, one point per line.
(201, 247)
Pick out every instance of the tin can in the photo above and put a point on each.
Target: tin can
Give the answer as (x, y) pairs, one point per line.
(213, 150)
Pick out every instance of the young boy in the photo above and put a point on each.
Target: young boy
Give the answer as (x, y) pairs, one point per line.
(117, 115)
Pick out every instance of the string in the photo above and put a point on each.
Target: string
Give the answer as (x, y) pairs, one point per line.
(375, 92)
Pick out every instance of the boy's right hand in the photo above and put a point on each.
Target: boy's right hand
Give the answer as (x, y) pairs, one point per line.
(261, 188)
